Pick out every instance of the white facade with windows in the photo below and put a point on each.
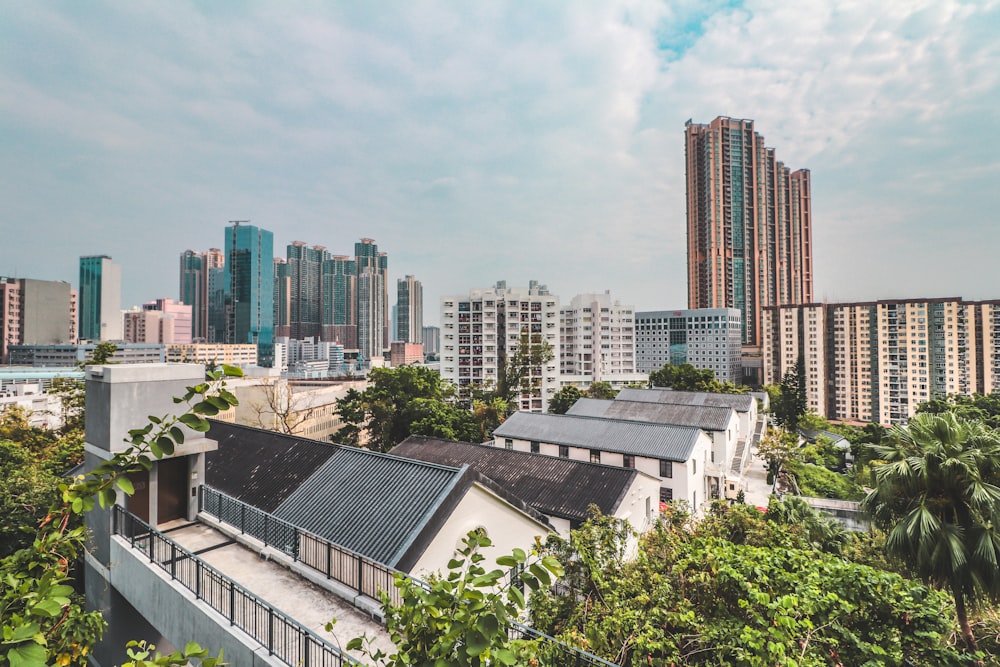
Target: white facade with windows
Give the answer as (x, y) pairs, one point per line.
(704, 337)
(481, 330)
(597, 341)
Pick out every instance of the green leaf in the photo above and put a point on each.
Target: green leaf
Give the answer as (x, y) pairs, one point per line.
(455, 563)
(107, 497)
(47, 607)
(232, 371)
(476, 643)
(355, 644)
(21, 633)
(516, 596)
(541, 573)
(506, 561)
(165, 445)
(27, 655)
(125, 484)
(177, 434)
(194, 422)
(205, 408)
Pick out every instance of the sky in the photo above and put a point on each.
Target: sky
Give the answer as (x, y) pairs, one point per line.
(488, 141)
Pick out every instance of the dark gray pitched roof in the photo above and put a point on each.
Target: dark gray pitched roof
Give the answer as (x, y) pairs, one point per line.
(738, 402)
(375, 504)
(554, 486)
(710, 418)
(261, 468)
(658, 441)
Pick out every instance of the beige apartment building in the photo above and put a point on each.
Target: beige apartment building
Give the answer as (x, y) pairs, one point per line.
(877, 361)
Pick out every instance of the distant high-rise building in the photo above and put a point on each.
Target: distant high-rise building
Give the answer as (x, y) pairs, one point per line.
(704, 337)
(480, 331)
(173, 321)
(432, 340)
(749, 225)
(305, 272)
(373, 299)
(35, 312)
(597, 341)
(249, 288)
(100, 299)
(340, 303)
(409, 310)
(282, 299)
(877, 361)
(214, 264)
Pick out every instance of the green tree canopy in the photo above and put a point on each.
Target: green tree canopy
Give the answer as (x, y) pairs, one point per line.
(938, 494)
(563, 400)
(686, 377)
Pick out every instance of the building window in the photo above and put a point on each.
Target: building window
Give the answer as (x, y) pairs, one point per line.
(694, 467)
(628, 461)
(666, 495)
(508, 443)
(666, 468)
(595, 456)
(535, 447)
(564, 451)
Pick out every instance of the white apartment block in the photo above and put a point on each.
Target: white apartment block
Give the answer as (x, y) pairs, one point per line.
(480, 331)
(878, 361)
(237, 354)
(597, 342)
(703, 337)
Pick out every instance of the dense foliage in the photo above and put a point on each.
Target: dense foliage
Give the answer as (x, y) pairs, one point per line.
(686, 377)
(563, 400)
(743, 588)
(938, 495)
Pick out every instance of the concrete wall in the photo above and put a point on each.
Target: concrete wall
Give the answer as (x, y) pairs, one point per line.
(176, 614)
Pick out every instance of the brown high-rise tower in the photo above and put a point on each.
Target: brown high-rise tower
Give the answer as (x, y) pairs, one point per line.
(749, 225)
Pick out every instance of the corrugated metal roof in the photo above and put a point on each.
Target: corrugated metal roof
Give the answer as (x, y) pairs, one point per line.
(374, 504)
(705, 417)
(261, 468)
(553, 486)
(658, 441)
(738, 402)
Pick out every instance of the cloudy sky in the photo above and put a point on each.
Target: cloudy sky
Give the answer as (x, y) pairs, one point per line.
(483, 141)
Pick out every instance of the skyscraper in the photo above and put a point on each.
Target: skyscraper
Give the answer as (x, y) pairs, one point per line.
(249, 288)
(749, 225)
(340, 303)
(305, 271)
(409, 310)
(201, 288)
(373, 301)
(34, 312)
(100, 299)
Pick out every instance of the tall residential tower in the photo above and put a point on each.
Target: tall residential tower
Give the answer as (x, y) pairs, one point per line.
(100, 300)
(409, 310)
(749, 226)
(249, 288)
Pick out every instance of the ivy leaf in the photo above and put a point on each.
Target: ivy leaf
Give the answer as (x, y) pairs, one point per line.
(125, 484)
(47, 608)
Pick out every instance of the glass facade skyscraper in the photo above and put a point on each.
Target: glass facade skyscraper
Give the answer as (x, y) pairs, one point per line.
(100, 299)
(249, 288)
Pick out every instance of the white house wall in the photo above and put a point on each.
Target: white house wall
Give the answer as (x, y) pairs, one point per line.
(506, 525)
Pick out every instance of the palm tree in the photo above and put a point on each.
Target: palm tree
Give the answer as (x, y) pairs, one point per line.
(937, 494)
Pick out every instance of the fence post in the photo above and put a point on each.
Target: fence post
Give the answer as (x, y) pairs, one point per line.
(152, 547)
(243, 518)
(267, 529)
(361, 565)
(270, 630)
(295, 544)
(329, 561)
(173, 560)
(232, 603)
(197, 578)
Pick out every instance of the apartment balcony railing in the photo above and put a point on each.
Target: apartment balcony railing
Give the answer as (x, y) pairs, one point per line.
(282, 636)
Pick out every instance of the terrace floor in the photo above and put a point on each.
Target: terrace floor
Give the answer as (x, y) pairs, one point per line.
(308, 603)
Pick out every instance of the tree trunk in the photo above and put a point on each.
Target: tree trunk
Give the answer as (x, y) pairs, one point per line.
(963, 620)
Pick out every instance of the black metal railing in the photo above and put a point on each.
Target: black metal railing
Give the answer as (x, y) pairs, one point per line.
(354, 570)
(363, 575)
(281, 635)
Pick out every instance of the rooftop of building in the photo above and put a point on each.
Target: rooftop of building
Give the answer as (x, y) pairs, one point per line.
(709, 418)
(554, 486)
(738, 402)
(659, 441)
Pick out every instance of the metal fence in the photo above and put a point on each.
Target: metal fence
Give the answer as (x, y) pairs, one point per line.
(363, 575)
(281, 635)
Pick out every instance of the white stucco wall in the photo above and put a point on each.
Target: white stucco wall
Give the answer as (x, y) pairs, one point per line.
(506, 525)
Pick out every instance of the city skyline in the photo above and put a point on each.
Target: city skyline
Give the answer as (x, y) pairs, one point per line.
(496, 142)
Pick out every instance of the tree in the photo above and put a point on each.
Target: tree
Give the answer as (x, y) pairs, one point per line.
(521, 372)
(489, 413)
(563, 400)
(42, 618)
(790, 401)
(351, 411)
(463, 618)
(686, 377)
(938, 495)
(602, 390)
(277, 409)
(778, 448)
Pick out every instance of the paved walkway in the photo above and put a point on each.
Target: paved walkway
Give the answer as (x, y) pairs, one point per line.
(757, 491)
(307, 603)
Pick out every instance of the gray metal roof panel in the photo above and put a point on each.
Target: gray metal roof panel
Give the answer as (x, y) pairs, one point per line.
(658, 441)
(554, 486)
(710, 418)
(738, 402)
(375, 504)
